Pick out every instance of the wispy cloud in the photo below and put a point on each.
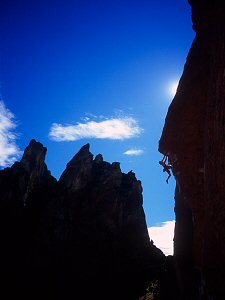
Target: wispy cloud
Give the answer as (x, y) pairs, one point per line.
(114, 129)
(162, 236)
(134, 152)
(9, 151)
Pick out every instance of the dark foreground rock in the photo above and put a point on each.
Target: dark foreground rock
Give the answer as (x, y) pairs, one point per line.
(193, 138)
(81, 237)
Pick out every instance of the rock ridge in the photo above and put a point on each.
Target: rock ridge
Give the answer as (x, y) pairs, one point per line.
(84, 235)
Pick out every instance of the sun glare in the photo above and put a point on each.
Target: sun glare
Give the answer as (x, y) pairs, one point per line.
(173, 88)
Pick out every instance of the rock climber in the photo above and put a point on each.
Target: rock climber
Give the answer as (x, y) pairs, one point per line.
(166, 166)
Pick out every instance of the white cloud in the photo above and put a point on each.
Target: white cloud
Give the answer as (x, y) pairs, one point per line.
(114, 129)
(162, 236)
(134, 152)
(9, 151)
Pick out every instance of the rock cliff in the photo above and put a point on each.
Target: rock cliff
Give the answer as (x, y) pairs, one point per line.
(81, 237)
(193, 139)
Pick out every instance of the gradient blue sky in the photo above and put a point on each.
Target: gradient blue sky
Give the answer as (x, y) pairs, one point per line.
(66, 62)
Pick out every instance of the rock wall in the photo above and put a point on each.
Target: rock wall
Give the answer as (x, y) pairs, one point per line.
(81, 237)
(193, 138)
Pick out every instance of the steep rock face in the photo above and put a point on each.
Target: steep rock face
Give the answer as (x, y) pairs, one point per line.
(24, 189)
(80, 237)
(193, 138)
(78, 170)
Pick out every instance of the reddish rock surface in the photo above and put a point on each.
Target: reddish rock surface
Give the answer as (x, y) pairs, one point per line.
(193, 138)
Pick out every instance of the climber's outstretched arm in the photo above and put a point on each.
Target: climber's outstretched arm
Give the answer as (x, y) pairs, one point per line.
(164, 158)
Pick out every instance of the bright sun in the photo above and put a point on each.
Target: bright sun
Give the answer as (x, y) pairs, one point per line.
(173, 88)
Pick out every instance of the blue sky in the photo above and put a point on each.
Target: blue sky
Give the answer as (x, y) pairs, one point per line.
(73, 72)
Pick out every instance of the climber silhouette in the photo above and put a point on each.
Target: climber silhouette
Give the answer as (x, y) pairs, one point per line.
(166, 166)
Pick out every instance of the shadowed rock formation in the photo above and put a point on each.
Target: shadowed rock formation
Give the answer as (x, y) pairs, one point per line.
(81, 237)
(193, 138)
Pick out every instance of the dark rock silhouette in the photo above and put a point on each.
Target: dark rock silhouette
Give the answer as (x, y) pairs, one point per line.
(81, 237)
(193, 138)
